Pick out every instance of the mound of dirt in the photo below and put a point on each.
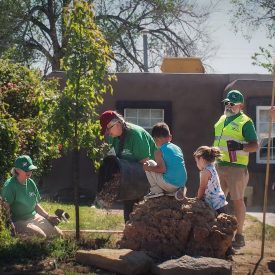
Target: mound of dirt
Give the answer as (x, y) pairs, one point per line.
(166, 228)
(109, 192)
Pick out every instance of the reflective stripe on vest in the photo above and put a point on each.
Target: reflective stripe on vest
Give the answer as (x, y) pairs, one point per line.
(233, 131)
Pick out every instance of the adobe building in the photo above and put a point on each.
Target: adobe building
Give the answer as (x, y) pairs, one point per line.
(190, 103)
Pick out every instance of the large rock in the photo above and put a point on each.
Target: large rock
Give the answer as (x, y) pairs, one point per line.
(122, 261)
(165, 228)
(194, 266)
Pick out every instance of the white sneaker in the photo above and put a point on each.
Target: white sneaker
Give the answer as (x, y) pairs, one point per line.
(179, 195)
(153, 195)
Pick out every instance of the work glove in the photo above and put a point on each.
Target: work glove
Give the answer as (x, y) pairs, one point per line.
(62, 215)
(54, 220)
(233, 145)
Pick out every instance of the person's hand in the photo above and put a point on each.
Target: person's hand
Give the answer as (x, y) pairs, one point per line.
(54, 220)
(146, 165)
(233, 145)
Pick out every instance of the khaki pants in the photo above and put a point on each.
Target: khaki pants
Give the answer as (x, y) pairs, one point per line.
(37, 226)
(157, 183)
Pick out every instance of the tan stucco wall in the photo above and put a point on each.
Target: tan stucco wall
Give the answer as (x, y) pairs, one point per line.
(196, 106)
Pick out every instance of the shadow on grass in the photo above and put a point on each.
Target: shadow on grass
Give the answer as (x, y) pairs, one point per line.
(271, 266)
(36, 249)
(18, 250)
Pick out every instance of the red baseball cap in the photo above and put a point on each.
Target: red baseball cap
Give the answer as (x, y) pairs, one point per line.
(105, 119)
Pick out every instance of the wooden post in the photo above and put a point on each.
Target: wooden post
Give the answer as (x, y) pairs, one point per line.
(267, 166)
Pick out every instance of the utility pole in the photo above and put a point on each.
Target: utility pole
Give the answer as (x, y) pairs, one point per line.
(145, 49)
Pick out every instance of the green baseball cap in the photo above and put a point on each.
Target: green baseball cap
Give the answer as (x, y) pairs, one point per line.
(234, 96)
(24, 163)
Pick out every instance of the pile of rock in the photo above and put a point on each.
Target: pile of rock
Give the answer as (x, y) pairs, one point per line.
(166, 228)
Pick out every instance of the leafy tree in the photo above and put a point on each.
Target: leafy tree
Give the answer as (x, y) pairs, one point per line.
(263, 58)
(86, 63)
(175, 28)
(25, 105)
(32, 30)
(250, 15)
(87, 59)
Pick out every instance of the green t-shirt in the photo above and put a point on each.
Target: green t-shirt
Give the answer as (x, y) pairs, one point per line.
(138, 144)
(22, 198)
(249, 134)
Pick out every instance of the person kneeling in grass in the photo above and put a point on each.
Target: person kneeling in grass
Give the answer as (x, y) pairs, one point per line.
(22, 197)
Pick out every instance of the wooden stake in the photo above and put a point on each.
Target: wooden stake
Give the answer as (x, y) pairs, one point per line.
(267, 166)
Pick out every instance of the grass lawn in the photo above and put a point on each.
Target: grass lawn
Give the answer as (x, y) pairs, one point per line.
(90, 218)
(16, 250)
(254, 230)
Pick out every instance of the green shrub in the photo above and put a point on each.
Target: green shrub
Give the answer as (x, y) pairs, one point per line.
(26, 105)
(9, 144)
(20, 250)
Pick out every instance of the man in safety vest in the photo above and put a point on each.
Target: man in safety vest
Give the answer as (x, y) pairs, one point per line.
(236, 137)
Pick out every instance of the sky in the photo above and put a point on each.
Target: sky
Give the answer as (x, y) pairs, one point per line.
(234, 51)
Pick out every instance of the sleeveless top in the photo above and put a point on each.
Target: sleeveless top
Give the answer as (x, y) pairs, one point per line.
(214, 195)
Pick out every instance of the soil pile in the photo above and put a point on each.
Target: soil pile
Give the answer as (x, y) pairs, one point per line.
(109, 192)
(165, 228)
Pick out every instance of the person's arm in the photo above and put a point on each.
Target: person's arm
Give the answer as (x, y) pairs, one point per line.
(251, 147)
(160, 167)
(204, 177)
(250, 136)
(54, 220)
(142, 145)
(143, 161)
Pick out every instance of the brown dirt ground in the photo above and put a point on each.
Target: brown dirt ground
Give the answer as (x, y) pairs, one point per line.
(244, 262)
(247, 260)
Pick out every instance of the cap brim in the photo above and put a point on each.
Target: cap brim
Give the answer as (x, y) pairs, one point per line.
(31, 167)
(226, 99)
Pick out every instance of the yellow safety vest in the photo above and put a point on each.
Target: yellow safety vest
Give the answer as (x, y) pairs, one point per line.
(232, 131)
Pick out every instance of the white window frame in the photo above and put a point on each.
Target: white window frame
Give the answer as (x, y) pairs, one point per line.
(139, 110)
(264, 135)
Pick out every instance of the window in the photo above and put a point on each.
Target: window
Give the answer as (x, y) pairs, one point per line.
(146, 113)
(262, 126)
(145, 118)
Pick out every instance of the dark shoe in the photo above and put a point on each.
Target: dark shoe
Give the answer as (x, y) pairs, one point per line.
(153, 195)
(230, 251)
(239, 241)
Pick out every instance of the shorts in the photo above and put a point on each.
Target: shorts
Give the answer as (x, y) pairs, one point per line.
(158, 184)
(233, 180)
